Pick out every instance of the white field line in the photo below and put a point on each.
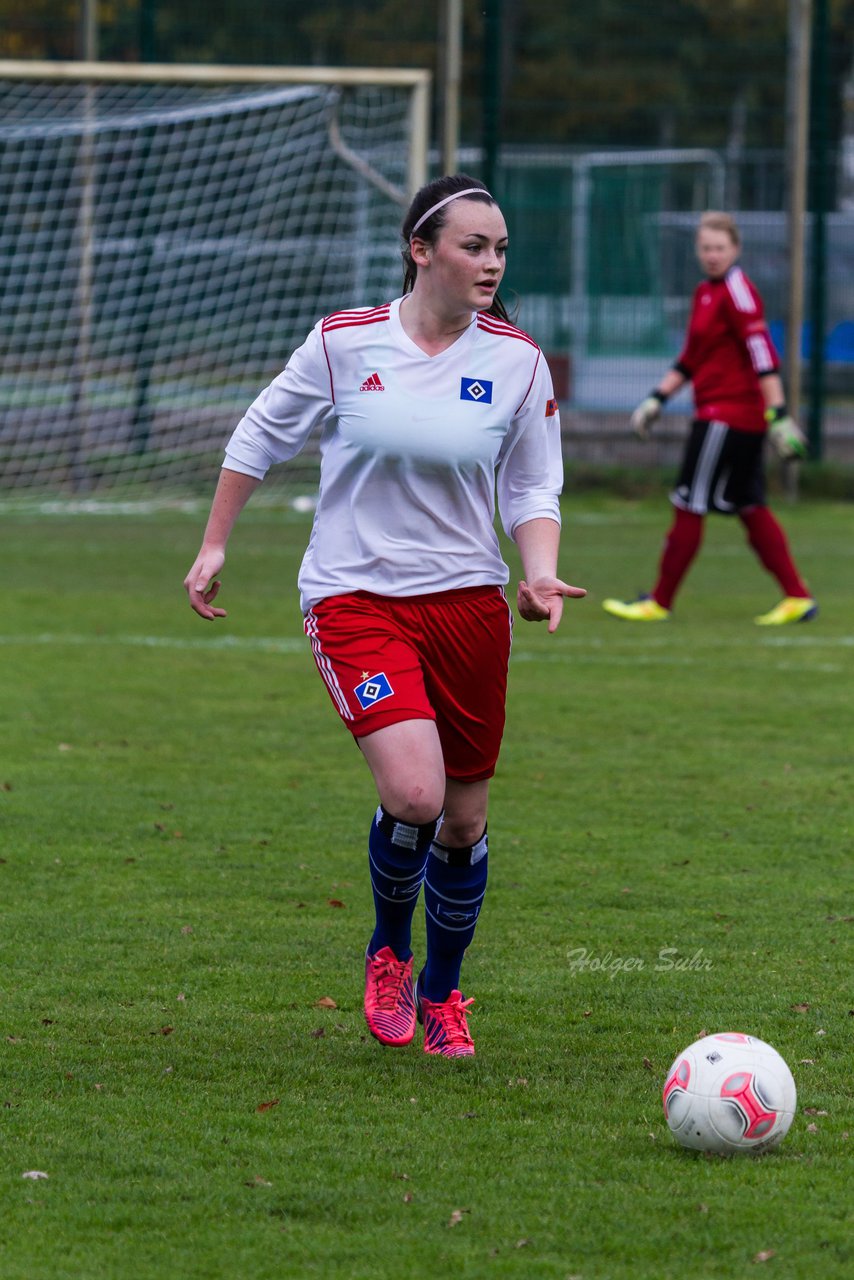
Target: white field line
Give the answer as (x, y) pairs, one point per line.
(253, 644)
(669, 660)
(571, 650)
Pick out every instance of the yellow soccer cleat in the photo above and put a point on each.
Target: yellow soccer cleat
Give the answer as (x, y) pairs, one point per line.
(791, 609)
(645, 609)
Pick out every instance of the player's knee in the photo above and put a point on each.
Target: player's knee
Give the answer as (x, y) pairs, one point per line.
(461, 832)
(416, 804)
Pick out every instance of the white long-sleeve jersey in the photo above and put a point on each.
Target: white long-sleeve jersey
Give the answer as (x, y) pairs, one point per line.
(413, 449)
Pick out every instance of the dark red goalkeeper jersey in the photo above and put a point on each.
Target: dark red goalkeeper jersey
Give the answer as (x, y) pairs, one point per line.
(727, 348)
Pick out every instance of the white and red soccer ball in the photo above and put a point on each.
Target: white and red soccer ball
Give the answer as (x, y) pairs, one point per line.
(729, 1093)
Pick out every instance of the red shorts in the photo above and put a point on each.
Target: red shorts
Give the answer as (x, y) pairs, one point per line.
(440, 657)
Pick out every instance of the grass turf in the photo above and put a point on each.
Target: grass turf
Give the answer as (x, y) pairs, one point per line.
(183, 880)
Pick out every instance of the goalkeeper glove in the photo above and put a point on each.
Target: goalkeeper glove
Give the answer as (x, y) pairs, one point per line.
(646, 413)
(786, 436)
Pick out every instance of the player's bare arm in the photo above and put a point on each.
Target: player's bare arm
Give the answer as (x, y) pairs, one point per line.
(201, 583)
(541, 593)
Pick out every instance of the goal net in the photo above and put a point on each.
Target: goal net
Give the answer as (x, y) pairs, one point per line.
(170, 235)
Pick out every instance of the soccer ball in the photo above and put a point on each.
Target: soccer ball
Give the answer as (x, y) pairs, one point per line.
(729, 1093)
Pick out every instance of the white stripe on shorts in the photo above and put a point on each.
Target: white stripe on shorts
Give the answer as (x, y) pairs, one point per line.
(698, 498)
(324, 666)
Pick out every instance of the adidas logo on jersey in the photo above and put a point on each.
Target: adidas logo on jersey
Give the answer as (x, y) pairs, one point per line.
(374, 383)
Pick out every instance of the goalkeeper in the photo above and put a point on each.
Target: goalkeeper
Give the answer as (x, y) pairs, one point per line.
(730, 359)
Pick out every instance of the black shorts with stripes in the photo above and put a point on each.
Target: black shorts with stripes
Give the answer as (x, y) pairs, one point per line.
(721, 470)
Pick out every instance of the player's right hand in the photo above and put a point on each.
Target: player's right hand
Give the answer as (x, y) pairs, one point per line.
(644, 416)
(202, 584)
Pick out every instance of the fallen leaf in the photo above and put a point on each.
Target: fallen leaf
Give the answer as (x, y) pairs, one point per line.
(812, 1128)
(801, 1008)
(522, 1244)
(34, 1174)
(457, 1217)
(334, 902)
(813, 1111)
(325, 1002)
(648, 1065)
(407, 1199)
(162, 1031)
(187, 928)
(765, 1255)
(258, 1181)
(318, 1033)
(268, 1106)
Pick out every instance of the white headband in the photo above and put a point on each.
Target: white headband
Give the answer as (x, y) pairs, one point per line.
(469, 191)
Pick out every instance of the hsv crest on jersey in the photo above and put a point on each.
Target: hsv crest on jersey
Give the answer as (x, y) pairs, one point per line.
(373, 383)
(373, 690)
(477, 389)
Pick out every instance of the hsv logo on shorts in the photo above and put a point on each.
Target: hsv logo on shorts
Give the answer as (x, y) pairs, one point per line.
(477, 389)
(372, 690)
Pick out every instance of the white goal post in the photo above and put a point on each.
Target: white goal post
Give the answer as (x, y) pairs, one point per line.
(170, 233)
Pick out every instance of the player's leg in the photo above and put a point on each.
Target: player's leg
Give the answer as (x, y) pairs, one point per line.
(764, 533)
(454, 886)
(374, 679)
(681, 544)
(405, 760)
(454, 889)
(465, 663)
(769, 542)
(691, 500)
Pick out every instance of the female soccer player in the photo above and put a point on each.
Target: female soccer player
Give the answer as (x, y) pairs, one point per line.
(730, 359)
(427, 404)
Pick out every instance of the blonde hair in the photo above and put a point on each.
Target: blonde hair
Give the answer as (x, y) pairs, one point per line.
(715, 221)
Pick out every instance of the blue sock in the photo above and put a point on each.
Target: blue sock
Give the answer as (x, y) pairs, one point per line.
(454, 888)
(398, 853)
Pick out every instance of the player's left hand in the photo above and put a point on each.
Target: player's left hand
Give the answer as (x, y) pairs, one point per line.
(787, 438)
(543, 599)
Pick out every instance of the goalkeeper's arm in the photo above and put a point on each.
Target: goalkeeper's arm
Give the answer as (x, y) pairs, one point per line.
(783, 431)
(650, 408)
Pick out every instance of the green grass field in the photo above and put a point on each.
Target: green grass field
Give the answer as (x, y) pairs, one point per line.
(184, 892)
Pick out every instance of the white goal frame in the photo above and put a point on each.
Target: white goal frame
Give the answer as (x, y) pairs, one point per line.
(416, 79)
(89, 75)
